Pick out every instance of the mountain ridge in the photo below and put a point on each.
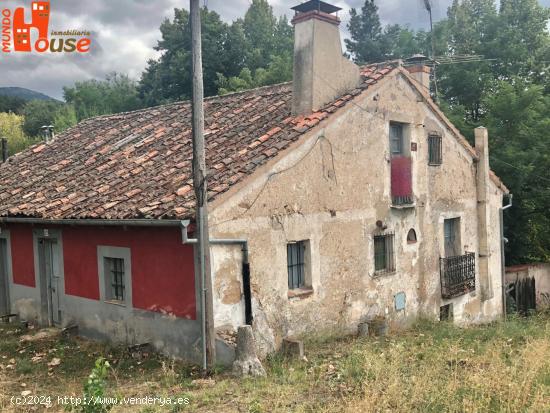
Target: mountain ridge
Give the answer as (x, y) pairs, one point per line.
(23, 93)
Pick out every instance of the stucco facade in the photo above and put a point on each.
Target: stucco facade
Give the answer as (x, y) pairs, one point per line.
(330, 190)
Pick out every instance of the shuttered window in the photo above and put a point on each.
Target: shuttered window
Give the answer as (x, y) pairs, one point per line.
(384, 257)
(435, 150)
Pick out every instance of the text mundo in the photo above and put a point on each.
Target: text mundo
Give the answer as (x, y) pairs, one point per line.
(6, 30)
(54, 45)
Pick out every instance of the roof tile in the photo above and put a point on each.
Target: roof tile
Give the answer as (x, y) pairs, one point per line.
(138, 164)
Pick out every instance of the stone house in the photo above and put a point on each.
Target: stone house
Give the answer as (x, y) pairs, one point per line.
(343, 196)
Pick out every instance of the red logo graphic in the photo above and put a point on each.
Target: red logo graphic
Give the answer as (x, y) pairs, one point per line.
(22, 31)
(55, 41)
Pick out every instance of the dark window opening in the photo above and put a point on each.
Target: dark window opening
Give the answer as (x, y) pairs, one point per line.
(446, 312)
(435, 150)
(384, 259)
(116, 273)
(296, 264)
(411, 237)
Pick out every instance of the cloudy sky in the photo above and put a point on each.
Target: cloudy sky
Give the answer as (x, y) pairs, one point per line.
(125, 31)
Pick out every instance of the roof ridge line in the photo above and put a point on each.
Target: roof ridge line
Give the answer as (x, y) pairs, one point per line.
(182, 102)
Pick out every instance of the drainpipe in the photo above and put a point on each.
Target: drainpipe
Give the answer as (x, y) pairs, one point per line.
(245, 274)
(4, 145)
(504, 241)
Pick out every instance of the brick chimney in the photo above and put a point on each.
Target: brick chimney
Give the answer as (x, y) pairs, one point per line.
(321, 72)
(416, 65)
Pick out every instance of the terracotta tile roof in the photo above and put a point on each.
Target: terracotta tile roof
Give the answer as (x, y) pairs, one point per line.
(138, 164)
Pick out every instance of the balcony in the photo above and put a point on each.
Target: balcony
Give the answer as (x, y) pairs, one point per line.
(458, 275)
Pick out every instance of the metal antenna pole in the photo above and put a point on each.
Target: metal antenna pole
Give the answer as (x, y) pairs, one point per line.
(428, 5)
(201, 193)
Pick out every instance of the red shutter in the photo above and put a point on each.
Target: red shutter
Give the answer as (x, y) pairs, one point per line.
(401, 177)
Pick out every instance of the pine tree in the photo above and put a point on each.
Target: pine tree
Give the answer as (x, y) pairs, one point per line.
(366, 32)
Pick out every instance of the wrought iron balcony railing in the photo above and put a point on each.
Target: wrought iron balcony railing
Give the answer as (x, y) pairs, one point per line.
(458, 275)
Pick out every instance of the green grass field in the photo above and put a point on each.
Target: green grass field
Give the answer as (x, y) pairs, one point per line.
(434, 367)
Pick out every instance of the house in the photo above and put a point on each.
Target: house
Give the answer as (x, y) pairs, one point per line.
(343, 196)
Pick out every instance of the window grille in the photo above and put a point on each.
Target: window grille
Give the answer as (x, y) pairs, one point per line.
(384, 257)
(458, 275)
(115, 268)
(296, 264)
(435, 150)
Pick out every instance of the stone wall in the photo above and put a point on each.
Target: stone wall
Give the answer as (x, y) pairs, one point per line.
(330, 189)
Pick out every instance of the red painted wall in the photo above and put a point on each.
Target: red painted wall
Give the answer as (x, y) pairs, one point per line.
(163, 274)
(22, 253)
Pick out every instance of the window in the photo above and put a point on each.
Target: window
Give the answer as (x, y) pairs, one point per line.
(446, 312)
(396, 139)
(384, 260)
(115, 275)
(114, 269)
(296, 265)
(411, 237)
(452, 237)
(401, 165)
(435, 150)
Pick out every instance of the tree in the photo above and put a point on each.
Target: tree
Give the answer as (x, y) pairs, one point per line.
(11, 127)
(169, 78)
(65, 118)
(253, 51)
(39, 113)
(397, 42)
(259, 27)
(12, 104)
(366, 33)
(470, 29)
(279, 70)
(520, 154)
(117, 93)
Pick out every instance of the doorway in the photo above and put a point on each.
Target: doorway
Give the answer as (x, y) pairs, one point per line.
(4, 282)
(50, 280)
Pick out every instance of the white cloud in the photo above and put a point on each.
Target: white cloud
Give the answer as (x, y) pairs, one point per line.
(125, 32)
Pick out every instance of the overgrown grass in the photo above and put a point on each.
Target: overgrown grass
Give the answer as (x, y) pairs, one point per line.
(433, 367)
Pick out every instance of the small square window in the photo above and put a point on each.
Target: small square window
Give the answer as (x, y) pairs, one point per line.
(35, 6)
(115, 277)
(446, 312)
(384, 258)
(296, 252)
(435, 150)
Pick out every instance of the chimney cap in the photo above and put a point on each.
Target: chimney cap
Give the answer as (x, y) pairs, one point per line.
(316, 5)
(416, 58)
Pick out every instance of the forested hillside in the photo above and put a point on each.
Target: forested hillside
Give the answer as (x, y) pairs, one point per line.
(492, 64)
